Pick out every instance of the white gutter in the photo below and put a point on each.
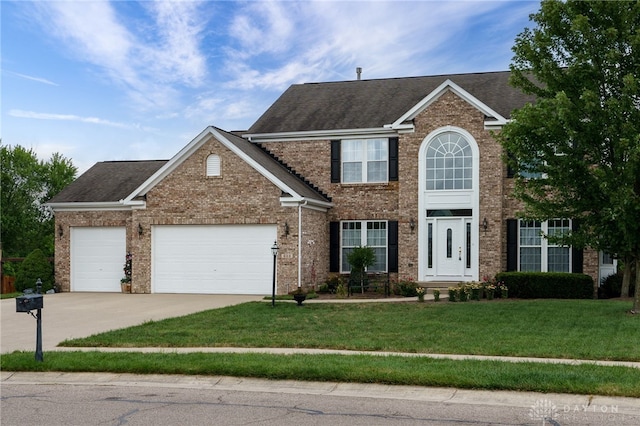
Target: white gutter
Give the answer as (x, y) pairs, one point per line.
(319, 134)
(88, 206)
(300, 243)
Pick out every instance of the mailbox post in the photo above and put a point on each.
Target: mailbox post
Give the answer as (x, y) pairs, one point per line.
(29, 302)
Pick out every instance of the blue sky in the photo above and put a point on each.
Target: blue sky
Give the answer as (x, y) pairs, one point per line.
(125, 80)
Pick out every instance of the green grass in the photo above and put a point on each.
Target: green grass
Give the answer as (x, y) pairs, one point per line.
(10, 295)
(584, 329)
(543, 328)
(394, 370)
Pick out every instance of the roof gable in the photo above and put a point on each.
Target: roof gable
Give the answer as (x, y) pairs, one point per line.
(293, 187)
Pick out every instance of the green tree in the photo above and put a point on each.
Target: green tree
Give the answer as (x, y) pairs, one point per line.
(35, 266)
(27, 183)
(360, 258)
(582, 135)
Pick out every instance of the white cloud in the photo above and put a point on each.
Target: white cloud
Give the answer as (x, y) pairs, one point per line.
(32, 78)
(332, 38)
(70, 117)
(149, 67)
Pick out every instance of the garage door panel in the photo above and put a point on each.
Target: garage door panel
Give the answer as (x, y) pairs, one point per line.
(216, 259)
(97, 258)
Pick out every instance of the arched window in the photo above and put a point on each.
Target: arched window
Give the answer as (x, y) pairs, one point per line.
(449, 163)
(213, 165)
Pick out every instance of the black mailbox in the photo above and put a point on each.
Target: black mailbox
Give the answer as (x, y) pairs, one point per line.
(29, 302)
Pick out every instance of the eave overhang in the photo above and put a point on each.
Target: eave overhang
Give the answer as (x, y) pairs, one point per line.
(97, 206)
(320, 134)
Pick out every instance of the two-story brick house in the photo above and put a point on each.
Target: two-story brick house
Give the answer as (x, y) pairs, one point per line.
(408, 166)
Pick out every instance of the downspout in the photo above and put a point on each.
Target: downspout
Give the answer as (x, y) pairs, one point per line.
(300, 242)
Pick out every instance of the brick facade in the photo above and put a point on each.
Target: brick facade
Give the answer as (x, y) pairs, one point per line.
(241, 195)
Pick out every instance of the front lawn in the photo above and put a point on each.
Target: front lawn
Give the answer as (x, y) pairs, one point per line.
(392, 370)
(553, 328)
(584, 329)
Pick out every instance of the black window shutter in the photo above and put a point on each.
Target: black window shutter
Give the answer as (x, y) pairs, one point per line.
(335, 161)
(393, 245)
(334, 247)
(577, 255)
(512, 245)
(510, 172)
(393, 159)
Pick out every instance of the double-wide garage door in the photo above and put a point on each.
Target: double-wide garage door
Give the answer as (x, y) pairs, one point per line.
(219, 259)
(213, 259)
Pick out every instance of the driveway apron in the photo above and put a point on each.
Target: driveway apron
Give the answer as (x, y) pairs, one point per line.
(73, 315)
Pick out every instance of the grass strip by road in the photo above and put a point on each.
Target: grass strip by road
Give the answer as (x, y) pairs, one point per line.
(582, 329)
(392, 370)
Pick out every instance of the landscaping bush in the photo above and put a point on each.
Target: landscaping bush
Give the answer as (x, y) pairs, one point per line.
(611, 287)
(35, 265)
(406, 288)
(330, 286)
(547, 285)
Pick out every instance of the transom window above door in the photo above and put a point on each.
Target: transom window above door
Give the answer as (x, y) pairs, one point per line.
(365, 160)
(449, 163)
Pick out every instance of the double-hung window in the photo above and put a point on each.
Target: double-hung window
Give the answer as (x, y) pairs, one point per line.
(538, 254)
(365, 160)
(364, 233)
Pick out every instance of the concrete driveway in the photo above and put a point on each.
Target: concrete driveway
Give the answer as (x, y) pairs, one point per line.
(72, 315)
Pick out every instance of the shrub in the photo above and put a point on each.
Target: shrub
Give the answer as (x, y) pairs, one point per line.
(611, 286)
(406, 288)
(35, 265)
(547, 285)
(330, 286)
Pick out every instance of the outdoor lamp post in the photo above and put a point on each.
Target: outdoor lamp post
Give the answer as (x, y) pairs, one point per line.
(274, 252)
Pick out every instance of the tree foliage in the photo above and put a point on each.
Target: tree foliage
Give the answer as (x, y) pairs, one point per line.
(35, 266)
(582, 135)
(27, 184)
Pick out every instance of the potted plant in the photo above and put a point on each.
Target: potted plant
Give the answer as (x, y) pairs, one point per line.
(299, 296)
(125, 282)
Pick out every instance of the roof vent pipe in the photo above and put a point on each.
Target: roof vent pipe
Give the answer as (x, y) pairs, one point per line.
(358, 72)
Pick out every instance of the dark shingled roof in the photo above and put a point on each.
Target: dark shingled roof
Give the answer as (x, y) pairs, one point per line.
(108, 181)
(362, 104)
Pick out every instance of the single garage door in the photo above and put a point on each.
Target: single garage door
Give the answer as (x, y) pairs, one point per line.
(212, 259)
(97, 258)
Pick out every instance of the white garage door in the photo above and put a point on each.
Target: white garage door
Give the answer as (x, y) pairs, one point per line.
(213, 259)
(97, 258)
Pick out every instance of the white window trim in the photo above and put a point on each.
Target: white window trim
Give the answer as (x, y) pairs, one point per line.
(363, 241)
(364, 161)
(544, 245)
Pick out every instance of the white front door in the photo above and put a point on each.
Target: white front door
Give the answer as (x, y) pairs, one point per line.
(449, 248)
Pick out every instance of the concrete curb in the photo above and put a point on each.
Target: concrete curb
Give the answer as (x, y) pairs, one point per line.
(582, 403)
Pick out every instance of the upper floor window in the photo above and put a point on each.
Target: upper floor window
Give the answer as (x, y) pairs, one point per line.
(365, 160)
(449, 163)
(213, 165)
(536, 253)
